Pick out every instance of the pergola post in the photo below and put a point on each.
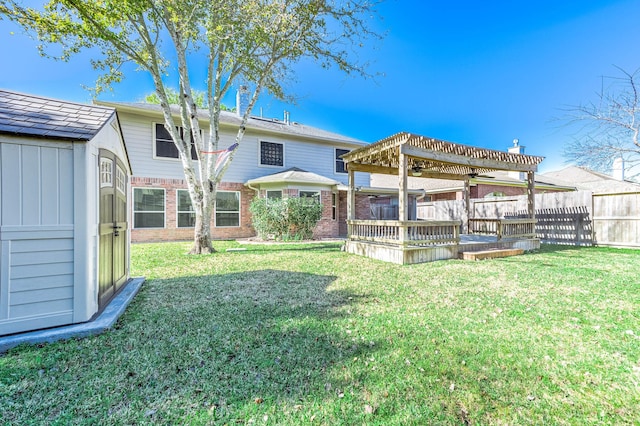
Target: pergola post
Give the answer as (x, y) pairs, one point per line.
(531, 195)
(466, 194)
(403, 197)
(351, 196)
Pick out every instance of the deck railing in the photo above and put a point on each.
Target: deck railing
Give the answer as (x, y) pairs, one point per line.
(504, 228)
(405, 233)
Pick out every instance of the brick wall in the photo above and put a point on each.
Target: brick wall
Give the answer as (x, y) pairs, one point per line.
(171, 232)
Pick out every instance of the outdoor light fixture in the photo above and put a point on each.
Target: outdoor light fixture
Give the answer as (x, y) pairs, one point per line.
(473, 173)
(416, 171)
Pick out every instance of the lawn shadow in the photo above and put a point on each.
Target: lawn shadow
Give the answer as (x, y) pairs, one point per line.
(201, 346)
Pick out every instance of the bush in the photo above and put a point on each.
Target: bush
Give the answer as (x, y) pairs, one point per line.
(286, 219)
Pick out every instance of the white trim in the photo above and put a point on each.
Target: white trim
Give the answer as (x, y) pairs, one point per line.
(271, 166)
(133, 208)
(215, 211)
(180, 211)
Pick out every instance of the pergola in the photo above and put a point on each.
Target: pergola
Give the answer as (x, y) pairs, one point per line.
(406, 153)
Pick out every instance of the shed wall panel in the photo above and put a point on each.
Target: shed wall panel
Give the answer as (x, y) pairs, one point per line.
(50, 185)
(40, 296)
(49, 307)
(35, 283)
(36, 233)
(66, 178)
(11, 185)
(30, 180)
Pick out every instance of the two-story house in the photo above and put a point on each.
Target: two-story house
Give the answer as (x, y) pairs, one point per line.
(276, 158)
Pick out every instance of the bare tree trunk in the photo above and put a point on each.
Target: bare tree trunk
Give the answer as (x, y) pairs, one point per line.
(202, 233)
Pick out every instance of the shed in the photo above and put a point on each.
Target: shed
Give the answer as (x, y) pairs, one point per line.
(64, 240)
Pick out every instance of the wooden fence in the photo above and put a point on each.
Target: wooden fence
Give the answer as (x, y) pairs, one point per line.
(577, 218)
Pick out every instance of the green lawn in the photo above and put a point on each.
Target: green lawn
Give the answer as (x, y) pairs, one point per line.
(307, 334)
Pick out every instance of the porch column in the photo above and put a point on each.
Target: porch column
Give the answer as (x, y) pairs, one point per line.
(531, 195)
(403, 197)
(466, 194)
(351, 196)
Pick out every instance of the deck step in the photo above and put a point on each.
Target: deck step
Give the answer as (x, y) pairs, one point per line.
(490, 254)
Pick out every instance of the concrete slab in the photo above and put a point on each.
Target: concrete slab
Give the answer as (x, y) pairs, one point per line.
(103, 322)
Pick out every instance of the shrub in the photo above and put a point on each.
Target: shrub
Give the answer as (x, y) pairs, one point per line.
(285, 219)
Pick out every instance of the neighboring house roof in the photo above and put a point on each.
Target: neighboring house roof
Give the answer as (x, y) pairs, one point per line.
(293, 175)
(28, 115)
(438, 186)
(269, 125)
(585, 179)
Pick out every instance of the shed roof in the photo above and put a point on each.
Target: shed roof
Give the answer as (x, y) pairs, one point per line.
(29, 115)
(435, 157)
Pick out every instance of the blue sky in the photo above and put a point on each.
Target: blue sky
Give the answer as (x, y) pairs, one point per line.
(472, 72)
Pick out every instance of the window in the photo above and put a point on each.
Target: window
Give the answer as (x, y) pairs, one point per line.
(227, 209)
(311, 195)
(271, 154)
(106, 172)
(121, 180)
(340, 168)
(165, 148)
(148, 208)
(334, 206)
(274, 195)
(186, 214)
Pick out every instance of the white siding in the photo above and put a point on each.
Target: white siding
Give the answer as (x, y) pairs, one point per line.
(313, 156)
(36, 234)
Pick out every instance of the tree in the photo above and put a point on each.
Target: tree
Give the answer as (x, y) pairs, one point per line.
(609, 127)
(255, 42)
(173, 95)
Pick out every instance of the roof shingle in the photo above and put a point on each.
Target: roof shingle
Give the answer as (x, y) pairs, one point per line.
(30, 115)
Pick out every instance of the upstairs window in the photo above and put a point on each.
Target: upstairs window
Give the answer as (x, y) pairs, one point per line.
(271, 154)
(165, 148)
(340, 167)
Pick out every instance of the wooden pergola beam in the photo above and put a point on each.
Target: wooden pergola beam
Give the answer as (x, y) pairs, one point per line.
(456, 159)
(369, 168)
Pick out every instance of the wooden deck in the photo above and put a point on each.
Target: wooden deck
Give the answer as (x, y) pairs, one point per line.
(426, 241)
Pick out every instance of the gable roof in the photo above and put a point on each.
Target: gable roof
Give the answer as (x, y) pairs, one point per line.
(228, 118)
(28, 115)
(586, 179)
(294, 175)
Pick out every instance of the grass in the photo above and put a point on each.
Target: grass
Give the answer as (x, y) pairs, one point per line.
(292, 334)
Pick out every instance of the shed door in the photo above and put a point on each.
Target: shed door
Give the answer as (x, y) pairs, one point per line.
(114, 228)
